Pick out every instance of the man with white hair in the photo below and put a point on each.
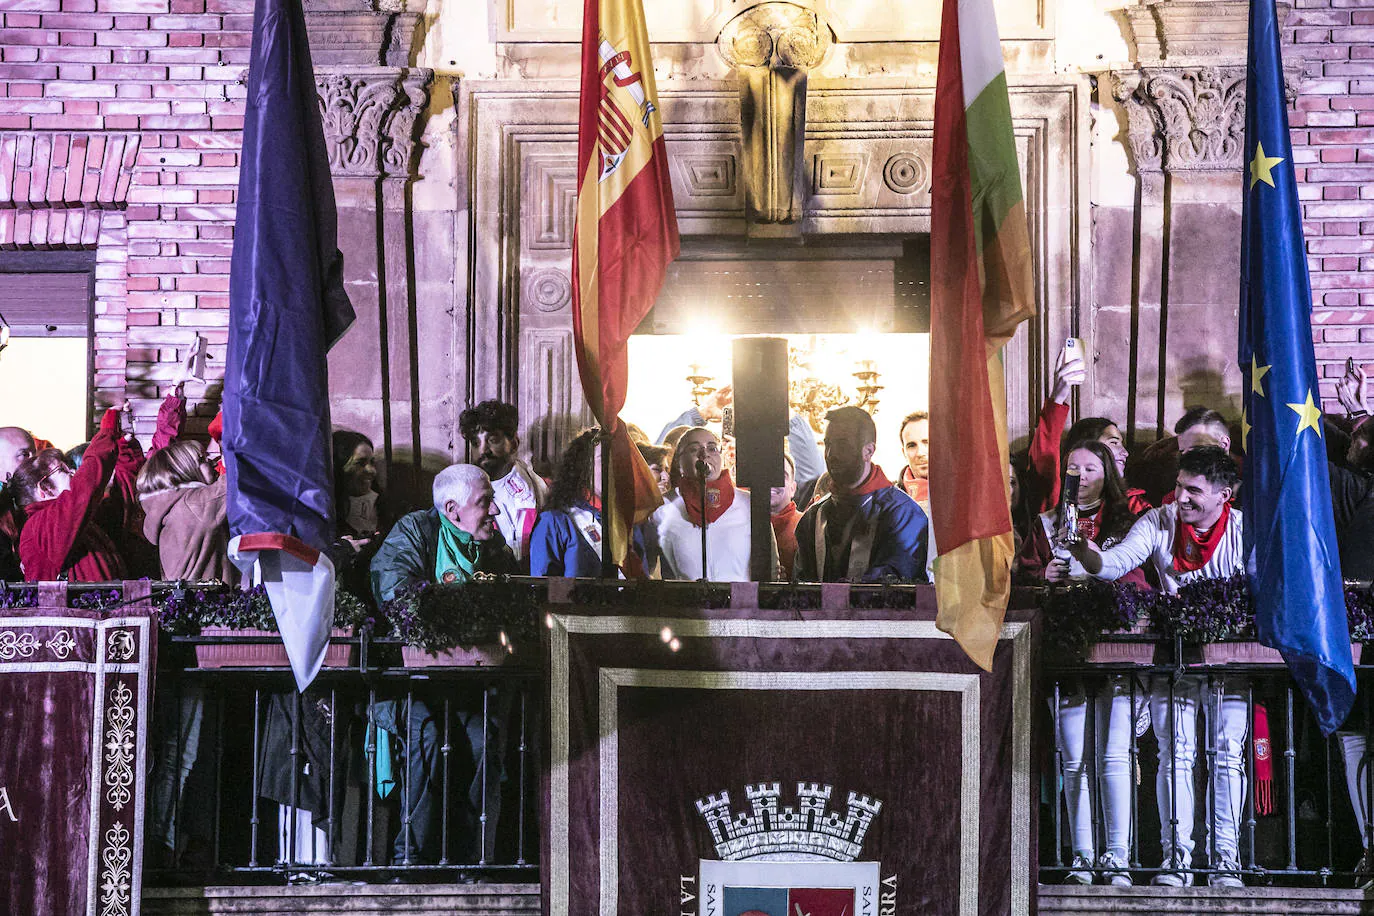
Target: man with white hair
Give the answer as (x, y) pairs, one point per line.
(449, 543)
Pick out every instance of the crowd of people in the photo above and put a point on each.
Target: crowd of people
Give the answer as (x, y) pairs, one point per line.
(1162, 517)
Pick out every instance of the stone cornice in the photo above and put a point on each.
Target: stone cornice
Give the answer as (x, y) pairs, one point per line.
(370, 117)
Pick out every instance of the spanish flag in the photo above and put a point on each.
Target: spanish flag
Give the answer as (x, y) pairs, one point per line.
(625, 236)
(981, 289)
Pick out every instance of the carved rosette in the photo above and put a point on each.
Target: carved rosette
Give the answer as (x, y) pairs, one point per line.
(370, 118)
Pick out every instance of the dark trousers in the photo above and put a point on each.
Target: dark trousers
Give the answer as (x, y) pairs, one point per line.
(474, 761)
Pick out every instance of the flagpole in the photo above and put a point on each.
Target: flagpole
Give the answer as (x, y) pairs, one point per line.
(607, 555)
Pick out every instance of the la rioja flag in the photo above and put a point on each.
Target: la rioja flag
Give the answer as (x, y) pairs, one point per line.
(287, 306)
(981, 289)
(625, 236)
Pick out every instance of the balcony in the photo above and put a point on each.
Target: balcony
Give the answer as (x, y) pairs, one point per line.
(235, 750)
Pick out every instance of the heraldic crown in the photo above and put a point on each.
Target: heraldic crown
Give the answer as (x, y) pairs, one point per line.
(808, 829)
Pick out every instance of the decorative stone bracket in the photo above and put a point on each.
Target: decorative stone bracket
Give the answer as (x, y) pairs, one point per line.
(773, 45)
(370, 117)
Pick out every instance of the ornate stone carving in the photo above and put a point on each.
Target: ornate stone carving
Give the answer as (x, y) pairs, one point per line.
(905, 173)
(775, 35)
(549, 289)
(370, 118)
(773, 45)
(1194, 116)
(839, 173)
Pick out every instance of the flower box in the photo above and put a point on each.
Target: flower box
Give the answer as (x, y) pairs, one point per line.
(265, 654)
(485, 655)
(1252, 653)
(1124, 653)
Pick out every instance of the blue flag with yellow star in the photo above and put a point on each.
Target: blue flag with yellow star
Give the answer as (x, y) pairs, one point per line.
(1290, 538)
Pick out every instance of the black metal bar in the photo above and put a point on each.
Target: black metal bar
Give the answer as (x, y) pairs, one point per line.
(520, 842)
(1250, 756)
(1060, 783)
(406, 856)
(1213, 730)
(177, 782)
(333, 769)
(1290, 755)
(370, 750)
(1134, 851)
(257, 748)
(485, 773)
(291, 838)
(1171, 725)
(444, 750)
(1330, 814)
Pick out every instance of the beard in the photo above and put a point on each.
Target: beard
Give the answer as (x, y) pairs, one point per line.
(495, 467)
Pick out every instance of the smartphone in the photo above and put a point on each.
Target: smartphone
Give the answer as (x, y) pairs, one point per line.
(198, 359)
(727, 422)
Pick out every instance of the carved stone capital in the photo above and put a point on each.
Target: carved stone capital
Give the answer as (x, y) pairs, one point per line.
(1192, 117)
(370, 118)
(776, 35)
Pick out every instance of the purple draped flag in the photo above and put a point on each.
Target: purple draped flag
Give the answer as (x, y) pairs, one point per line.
(287, 306)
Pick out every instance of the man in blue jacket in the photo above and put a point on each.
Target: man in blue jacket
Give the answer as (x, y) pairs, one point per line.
(865, 530)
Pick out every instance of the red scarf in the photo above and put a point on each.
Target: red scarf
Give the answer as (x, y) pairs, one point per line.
(875, 481)
(918, 488)
(1137, 502)
(1192, 552)
(720, 495)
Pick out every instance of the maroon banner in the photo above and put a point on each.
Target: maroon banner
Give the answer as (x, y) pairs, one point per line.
(839, 761)
(75, 700)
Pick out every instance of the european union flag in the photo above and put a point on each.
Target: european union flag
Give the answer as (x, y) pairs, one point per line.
(1290, 539)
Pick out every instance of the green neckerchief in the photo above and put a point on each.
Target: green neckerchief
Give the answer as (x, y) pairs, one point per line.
(456, 558)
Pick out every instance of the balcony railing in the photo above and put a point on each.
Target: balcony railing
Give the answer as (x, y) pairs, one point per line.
(1298, 828)
(245, 769)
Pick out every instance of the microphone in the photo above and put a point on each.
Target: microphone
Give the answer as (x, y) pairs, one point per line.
(702, 470)
(1068, 512)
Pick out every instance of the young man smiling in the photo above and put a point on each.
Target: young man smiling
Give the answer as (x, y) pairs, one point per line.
(1197, 536)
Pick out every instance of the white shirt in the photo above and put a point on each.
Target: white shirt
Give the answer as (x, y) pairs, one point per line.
(519, 500)
(727, 542)
(1151, 539)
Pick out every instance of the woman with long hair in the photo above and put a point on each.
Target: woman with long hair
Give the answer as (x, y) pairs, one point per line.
(1104, 517)
(567, 537)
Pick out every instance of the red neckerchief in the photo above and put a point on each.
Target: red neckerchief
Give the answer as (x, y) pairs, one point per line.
(1191, 552)
(875, 481)
(1137, 502)
(918, 488)
(592, 500)
(720, 495)
(789, 512)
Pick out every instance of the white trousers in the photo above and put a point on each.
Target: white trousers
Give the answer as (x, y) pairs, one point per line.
(1356, 776)
(1112, 724)
(312, 843)
(1228, 722)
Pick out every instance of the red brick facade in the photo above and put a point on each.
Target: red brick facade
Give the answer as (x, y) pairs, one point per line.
(167, 74)
(1333, 151)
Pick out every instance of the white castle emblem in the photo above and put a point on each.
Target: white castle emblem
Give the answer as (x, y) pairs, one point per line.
(809, 829)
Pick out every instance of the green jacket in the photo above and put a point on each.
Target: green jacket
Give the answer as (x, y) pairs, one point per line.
(408, 554)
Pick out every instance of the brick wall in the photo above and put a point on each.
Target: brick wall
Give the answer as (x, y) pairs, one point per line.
(1333, 152)
(168, 71)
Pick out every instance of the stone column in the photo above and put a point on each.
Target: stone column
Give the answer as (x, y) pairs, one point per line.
(370, 105)
(773, 45)
(1185, 113)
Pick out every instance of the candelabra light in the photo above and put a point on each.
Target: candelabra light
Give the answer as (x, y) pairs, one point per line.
(868, 386)
(699, 380)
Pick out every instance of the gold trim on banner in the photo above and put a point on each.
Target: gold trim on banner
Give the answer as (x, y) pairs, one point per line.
(564, 624)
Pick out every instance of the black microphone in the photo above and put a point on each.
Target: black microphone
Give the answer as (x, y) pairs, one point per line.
(702, 471)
